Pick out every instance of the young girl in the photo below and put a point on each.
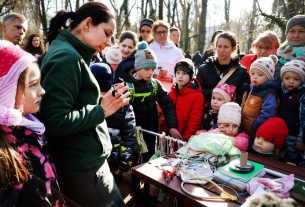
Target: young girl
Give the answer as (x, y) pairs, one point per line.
(27, 176)
(260, 103)
(229, 118)
(221, 94)
(187, 97)
(292, 107)
(270, 138)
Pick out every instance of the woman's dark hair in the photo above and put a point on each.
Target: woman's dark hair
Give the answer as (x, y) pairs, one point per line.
(215, 34)
(29, 46)
(96, 10)
(129, 35)
(229, 36)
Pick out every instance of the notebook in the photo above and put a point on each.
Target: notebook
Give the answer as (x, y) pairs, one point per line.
(244, 177)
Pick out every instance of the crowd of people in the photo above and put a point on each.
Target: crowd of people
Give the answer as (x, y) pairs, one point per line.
(68, 115)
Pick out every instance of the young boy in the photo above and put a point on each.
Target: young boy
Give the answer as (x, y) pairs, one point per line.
(187, 97)
(292, 108)
(221, 94)
(121, 126)
(144, 93)
(270, 137)
(260, 103)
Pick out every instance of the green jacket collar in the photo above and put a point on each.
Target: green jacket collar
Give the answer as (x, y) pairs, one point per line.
(84, 50)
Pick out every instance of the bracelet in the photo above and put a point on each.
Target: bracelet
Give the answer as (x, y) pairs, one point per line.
(223, 196)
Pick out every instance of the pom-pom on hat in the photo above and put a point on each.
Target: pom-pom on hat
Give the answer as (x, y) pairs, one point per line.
(144, 57)
(102, 74)
(296, 20)
(13, 61)
(112, 55)
(229, 113)
(227, 91)
(274, 130)
(185, 65)
(296, 66)
(266, 65)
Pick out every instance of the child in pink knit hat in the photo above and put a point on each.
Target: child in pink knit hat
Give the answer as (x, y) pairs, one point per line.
(24, 167)
(221, 94)
(229, 119)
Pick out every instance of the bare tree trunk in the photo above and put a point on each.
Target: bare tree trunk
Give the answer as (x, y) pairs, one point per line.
(202, 26)
(160, 9)
(43, 17)
(142, 9)
(251, 26)
(227, 14)
(76, 4)
(174, 12)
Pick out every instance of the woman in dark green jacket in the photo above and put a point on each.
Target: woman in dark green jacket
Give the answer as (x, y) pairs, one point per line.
(72, 112)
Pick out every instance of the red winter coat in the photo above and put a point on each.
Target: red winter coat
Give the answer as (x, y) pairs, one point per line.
(189, 103)
(247, 60)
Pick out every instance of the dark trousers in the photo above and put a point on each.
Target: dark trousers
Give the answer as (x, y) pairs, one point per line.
(94, 187)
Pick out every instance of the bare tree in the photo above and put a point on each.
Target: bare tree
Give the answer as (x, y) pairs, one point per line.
(160, 9)
(185, 32)
(202, 25)
(251, 26)
(122, 13)
(227, 14)
(6, 6)
(282, 11)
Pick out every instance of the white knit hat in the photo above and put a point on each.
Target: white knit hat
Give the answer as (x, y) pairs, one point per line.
(13, 61)
(229, 113)
(266, 65)
(113, 55)
(296, 66)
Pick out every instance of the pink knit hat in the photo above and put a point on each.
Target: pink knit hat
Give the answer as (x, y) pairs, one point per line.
(113, 55)
(229, 113)
(296, 66)
(13, 62)
(227, 91)
(266, 65)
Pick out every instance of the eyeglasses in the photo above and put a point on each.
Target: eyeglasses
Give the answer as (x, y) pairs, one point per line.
(161, 32)
(145, 31)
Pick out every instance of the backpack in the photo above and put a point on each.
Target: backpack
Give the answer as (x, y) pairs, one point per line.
(144, 95)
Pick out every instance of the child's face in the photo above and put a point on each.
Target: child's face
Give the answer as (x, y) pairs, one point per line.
(291, 80)
(33, 91)
(263, 146)
(264, 49)
(258, 77)
(127, 47)
(182, 78)
(217, 100)
(229, 129)
(145, 74)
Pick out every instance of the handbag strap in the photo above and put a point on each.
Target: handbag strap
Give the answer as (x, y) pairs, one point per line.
(225, 78)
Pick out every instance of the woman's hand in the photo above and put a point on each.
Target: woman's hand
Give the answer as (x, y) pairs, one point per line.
(173, 132)
(114, 99)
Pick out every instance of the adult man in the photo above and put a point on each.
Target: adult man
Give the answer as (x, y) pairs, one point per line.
(174, 35)
(14, 27)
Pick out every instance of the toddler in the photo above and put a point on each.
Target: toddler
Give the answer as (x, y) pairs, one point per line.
(260, 102)
(292, 108)
(229, 118)
(221, 94)
(270, 138)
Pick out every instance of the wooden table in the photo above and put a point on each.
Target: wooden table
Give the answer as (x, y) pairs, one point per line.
(149, 172)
